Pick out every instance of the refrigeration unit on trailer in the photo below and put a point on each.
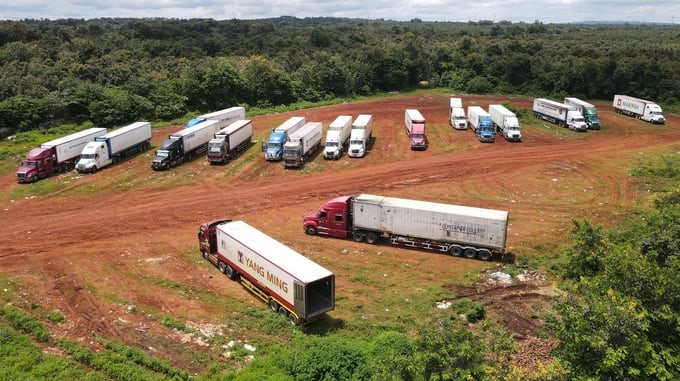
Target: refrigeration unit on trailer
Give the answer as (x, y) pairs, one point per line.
(291, 284)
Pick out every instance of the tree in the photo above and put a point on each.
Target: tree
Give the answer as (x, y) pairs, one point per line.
(267, 83)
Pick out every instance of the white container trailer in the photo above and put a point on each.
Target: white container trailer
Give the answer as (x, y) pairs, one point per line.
(639, 108)
(506, 122)
(225, 117)
(454, 229)
(70, 147)
(229, 141)
(302, 144)
(291, 284)
(559, 113)
(337, 137)
(115, 146)
(587, 110)
(362, 131)
(457, 117)
(185, 144)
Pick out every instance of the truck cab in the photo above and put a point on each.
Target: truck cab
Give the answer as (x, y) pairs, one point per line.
(40, 162)
(273, 150)
(333, 145)
(357, 143)
(418, 139)
(168, 154)
(292, 153)
(486, 132)
(95, 155)
(591, 118)
(653, 114)
(217, 149)
(458, 120)
(576, 121)
(332, 219)
(511, 129)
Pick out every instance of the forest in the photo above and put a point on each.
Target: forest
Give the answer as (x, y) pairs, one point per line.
(113, 71)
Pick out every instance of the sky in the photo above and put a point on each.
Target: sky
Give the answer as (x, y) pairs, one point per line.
(550, 11)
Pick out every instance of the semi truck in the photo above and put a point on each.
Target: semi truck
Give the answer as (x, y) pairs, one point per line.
(559, 113)
(302, 144)
(360, 136)
(457, 114)
(273, 149)
(453, 229)
(639, 108)
(226, 116)
(114, 147)
(481, 124)
(587, 110)
(414, 122)
(229, 141)
(56, 156)
(506, 122)
(337, 137)
(184, 145)
(291, 284)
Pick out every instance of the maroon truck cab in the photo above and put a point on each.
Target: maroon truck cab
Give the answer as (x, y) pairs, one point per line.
(207, 238)
(333, 219)
(40, 162)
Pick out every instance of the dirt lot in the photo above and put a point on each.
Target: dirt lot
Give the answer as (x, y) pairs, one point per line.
(96, 247)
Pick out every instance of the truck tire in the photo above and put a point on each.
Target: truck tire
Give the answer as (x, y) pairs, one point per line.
(205, 254)
(357, 237)
(230, 273)
(283, 312)
(273, 305)
(484, 254)
(456, 251)
(470, 253)
(293, 320)
(371, 238)
(311, 230)
(221, 266)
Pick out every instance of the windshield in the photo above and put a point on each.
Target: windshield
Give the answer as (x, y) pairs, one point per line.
(659, 113)
(87, 156)
(215, 147)
(579, 120)
(418, 136)
(290, 152)
(162, 153)
(29, 164)
(331, 144)
(356, 142)
(274, 146)
(514, 128)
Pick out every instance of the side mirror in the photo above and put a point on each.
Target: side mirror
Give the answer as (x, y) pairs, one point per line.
(263, 145)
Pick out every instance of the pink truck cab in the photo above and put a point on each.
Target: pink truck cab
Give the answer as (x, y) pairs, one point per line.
(414, 122)
(39, 163)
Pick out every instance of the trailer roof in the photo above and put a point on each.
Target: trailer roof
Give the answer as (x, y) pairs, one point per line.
(77, 135)
(499, 215)
(234, 126)
(275, 252)
(197, 127)
(125, 129)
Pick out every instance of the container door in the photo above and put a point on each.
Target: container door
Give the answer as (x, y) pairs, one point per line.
(299, 299)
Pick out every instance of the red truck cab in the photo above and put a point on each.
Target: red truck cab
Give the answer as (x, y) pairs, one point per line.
(40, 162)
(418, 139)
(207, 238)
(333, 218)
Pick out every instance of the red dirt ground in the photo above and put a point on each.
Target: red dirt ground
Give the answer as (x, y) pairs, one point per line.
(97, 243)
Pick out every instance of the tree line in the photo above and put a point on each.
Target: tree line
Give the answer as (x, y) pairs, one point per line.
(113, 71)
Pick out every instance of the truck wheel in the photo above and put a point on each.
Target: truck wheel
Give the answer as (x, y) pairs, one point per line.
(273, 305)
(357, 237)
(293, 320)
(283, 312)
(311, 230)
(485, 255)
(221, 266)
(470, 253)
(371, 238)
(205, 254)
(456, 251)
(229, 272)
